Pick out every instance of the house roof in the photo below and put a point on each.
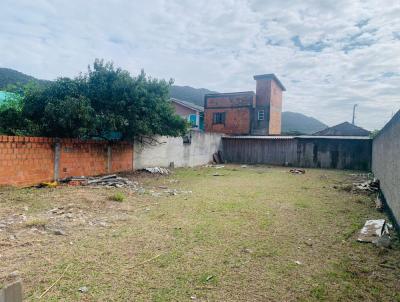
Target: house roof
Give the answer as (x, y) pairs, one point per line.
(294, 137)
(270, 76)
(343, 129)
(188, 104)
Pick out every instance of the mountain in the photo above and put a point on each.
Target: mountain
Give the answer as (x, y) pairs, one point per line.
(12, 77)
(292, 122)
(297, 123)
(189, 94)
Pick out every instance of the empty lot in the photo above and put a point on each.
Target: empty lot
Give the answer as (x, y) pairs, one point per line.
(249, 234)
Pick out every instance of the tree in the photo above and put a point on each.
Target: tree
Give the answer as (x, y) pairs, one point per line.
(105, 100)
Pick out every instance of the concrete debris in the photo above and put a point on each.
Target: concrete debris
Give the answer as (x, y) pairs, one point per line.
(369, 186)
(83, 289)
(379, 203)
(383, 241)
(243, 166)
(297, 171)
(158, 170)
(109, 181)
(373, 231)
(219, 166)
(12, 292)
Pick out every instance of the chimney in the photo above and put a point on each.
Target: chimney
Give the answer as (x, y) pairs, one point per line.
(267, 117)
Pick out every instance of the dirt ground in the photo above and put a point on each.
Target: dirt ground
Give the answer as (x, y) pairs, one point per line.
(251, 233)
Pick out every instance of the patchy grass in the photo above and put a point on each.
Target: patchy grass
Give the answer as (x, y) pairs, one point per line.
(237, 237)
(118, 196)
(36, 222)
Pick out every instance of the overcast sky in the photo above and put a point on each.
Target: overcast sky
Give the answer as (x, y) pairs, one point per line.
(329, 54)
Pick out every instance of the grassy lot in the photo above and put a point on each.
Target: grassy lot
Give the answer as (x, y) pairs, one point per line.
(253, 234)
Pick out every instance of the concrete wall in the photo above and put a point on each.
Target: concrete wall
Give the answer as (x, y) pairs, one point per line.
(302, 152)
(386, 163)
(172, 149)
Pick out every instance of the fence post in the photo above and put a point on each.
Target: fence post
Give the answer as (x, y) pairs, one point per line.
(57, 152)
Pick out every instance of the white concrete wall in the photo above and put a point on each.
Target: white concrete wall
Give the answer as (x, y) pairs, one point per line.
(172, 149)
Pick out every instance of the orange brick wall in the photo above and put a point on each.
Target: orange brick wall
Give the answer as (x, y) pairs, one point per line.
(275, 109)
(237, 107)
(25, 160)
(121, 157)
(237, 121)
(30, 160)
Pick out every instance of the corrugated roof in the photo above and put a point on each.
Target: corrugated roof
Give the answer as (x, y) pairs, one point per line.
(292, 137)
(258, 137)
(188, 104)
(343, 129)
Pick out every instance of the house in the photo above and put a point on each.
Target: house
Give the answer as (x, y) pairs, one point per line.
(194, 114)
(245, 113)
(343, 129)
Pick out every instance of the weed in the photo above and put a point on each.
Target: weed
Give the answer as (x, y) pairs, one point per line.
(118, 196)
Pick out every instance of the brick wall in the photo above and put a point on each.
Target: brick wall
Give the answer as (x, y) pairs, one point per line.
(238, 109)
(26, 160)
(275, 109)
(31, 160)
(237, 121)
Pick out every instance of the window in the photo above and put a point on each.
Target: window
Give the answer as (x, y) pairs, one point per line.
(260, 115)
(219, 118)
(192, 119)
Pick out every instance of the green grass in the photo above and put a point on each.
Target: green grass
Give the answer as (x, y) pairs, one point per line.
(235, 238)
(118, 196)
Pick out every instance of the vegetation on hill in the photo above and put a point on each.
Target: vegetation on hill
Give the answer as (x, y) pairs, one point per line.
(10, 79)
(104, 101)
(296, 123)
(189, 94)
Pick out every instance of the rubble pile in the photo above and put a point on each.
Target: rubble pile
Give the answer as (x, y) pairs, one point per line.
(158, 170)
(297, 171)
(369, 186)
(108, 181)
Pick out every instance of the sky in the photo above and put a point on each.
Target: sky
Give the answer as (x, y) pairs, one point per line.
(329, 55)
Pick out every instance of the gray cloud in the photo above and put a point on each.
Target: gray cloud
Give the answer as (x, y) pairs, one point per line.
(329, 54)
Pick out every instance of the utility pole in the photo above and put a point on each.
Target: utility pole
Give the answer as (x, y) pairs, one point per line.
(354, 112)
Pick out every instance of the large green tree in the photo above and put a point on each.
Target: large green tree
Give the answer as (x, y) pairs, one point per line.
(104, 101)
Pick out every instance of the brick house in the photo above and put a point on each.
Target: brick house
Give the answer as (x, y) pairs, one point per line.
(192, 113)
(245, 113)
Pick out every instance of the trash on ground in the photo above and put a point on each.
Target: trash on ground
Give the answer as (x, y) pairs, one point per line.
(158, 170)
(217, 174)
(297, 171)
(369, 186)
(83, 289)
(373, 231)
(47, 185)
